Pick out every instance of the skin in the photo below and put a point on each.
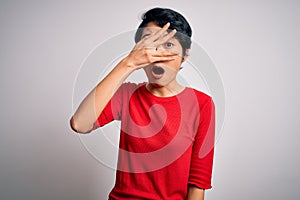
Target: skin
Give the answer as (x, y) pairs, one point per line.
(195, 193)
(167, 85)
(157, 47)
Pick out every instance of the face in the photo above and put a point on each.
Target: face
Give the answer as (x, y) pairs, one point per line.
(163, 73)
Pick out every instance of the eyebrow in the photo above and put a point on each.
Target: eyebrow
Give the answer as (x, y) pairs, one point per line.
(147, 31)
(146, 35)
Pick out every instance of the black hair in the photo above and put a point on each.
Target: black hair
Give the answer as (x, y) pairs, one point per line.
(161, 16)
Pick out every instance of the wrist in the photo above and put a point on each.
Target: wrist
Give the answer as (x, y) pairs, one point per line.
(127, 63)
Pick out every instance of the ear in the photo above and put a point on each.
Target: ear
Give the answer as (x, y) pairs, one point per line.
(184, 58)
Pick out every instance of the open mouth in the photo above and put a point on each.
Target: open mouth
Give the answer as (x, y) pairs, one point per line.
(157, 72)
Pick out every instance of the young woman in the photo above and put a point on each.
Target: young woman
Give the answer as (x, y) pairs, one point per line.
(167, 130)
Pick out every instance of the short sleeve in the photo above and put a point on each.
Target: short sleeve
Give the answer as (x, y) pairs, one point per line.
(203, 148)
(112, 110)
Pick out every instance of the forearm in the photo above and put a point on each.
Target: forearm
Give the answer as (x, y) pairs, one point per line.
(94, 103)
(195, 193)
(142, 55)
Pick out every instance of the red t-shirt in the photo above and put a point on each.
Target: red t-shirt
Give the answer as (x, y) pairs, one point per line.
(166, 143)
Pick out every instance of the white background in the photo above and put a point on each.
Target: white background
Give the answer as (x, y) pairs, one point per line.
(255, 46)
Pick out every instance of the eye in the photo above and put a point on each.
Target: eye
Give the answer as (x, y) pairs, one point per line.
(148, 34)
(169, 44)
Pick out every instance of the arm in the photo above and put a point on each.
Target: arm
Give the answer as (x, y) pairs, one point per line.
(203, 152)
(88, 111)
(91, 107)
(195, 193)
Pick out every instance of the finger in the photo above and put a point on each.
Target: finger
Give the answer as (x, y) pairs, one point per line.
(151, 48)
(159, 33)
(168, 58)
(165, 38)
(164, 54)
(166, 33)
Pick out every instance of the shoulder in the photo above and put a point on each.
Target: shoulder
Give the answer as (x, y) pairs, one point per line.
(202, 97)
(127, 88)
(128, 85)
(131, 86)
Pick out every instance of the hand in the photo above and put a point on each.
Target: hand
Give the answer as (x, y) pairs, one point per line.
(145, 51)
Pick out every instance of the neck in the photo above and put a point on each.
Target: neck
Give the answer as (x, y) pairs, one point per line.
(164, 91)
